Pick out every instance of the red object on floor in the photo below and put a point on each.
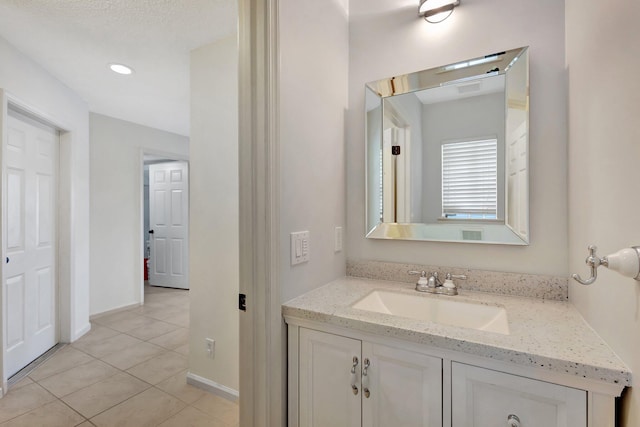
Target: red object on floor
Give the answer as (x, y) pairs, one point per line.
(146, 269)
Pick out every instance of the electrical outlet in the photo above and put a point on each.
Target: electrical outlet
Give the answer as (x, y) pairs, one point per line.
(338, 240)
(210, 347)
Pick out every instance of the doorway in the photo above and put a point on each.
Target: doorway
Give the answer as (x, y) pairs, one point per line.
(165, 219)
(29, 239)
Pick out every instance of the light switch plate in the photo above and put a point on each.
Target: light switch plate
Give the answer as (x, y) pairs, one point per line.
(300, 247)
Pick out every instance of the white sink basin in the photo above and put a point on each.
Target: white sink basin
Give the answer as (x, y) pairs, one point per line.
(439, 310)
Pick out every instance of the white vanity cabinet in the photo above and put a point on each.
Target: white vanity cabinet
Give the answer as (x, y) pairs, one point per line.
(548, 370)
(401, 384)
(487, 398)
(346, 382)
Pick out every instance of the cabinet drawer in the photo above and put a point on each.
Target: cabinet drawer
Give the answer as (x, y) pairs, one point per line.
(486, 398)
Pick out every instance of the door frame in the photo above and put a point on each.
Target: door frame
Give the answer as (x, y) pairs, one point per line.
(140, 239)
(262, 330)
(65, 286)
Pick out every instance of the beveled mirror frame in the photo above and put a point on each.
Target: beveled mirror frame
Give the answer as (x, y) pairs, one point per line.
(513, 227)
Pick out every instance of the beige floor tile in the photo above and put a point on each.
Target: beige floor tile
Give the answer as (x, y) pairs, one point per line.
(160, 367)
(147, 409)
(107, 319)
(126, 325)
(192, 417)
(23, 382)
(183, 349)
(96, 334)
(67, 358)
(164, 311)
(177, 386)
(96, 398)
(54, 414)
(134, 355)
(23, 400)
(172, 340)
(180, 320)
(218, 407)
(152, 330)
(77, 378)
(85, 424)
(107, 346)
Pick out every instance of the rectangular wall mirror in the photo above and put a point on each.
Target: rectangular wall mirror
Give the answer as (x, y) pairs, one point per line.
(447, 152)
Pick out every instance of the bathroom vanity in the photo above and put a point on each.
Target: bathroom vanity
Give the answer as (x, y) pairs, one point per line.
(355, 360)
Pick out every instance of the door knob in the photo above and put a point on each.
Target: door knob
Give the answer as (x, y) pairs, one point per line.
(150, 231)
(7, 260)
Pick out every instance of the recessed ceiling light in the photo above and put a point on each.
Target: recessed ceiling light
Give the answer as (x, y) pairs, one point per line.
(121, 69)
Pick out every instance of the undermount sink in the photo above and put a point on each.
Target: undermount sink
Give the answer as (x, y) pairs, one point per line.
(439, 310)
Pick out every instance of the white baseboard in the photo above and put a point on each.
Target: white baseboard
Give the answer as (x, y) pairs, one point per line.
(79, 333)
(115, 310)
(212, 387)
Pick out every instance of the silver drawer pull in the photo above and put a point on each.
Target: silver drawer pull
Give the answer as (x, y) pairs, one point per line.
(354, 379)
(513, 421)
(365, 379)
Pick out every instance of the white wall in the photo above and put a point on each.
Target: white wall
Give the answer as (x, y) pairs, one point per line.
(31, 85)
(603, 59)
(116, 206)
(387, 38)
(314, 43)
(214, 238)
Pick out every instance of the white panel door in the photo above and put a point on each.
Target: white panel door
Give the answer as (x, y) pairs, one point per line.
(517, 184)
(400, 388)
(326, 393)
(29, 240)
(486, 398)
(169, 224)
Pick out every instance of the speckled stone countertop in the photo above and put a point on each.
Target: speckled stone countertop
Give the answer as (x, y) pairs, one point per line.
(545, 334)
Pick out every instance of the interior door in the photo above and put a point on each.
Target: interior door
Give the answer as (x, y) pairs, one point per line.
(169, 223)
(29, 241)
(517, 184)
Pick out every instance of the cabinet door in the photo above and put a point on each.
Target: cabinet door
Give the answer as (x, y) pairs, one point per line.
(486, 398)
(326, 395)
(405, 388)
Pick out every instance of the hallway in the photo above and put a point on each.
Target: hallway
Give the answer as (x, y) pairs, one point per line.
(129, 370)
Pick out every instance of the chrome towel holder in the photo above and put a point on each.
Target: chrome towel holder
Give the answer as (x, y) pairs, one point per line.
(625, 261)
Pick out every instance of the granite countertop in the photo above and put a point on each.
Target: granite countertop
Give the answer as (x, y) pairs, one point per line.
(545, 334)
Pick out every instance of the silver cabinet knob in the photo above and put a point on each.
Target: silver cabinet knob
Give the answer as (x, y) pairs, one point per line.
(513, 421)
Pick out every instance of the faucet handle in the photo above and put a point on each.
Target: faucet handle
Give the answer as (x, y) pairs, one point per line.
(415, 273)
(450, 276)
(423, 282)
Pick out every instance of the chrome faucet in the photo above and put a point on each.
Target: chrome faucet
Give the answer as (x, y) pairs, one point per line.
(433, 285)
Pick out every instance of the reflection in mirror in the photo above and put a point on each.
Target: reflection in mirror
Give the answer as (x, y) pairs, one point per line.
(447, 152)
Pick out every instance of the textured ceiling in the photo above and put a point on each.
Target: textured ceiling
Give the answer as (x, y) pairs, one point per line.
(76, 39)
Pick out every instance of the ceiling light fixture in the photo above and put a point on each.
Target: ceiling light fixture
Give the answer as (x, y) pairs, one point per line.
(435, 11)
(121, 69)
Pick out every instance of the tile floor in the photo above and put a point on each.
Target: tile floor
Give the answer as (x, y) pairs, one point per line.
(129, 370)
